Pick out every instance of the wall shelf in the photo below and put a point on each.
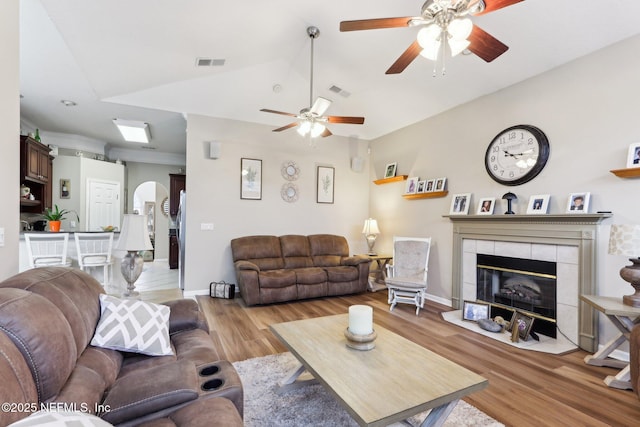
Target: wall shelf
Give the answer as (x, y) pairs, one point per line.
(627, 173)
(392, 179)
(431, 195)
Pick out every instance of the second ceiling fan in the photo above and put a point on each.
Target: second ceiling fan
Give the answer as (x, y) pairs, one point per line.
(445, 24)
(311, 120)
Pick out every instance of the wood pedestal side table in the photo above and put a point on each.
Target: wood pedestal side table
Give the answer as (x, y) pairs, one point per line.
(377, 272)
(624, 317)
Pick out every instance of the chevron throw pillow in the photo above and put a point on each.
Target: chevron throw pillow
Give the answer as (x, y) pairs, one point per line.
(133, 326)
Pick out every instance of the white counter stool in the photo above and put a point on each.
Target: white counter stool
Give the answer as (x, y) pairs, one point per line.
(47, 249)
(94, 250)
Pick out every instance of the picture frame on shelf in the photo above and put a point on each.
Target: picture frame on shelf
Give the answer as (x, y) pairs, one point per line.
(325, 184)
(390, 170)
(578, 203)
(474, 311)
(421, 187)
(633, 158)
(460, 204)
(486, 206)
(538, 204)
(522, 323)
(412, 185)
(430, 186)
(440, 185)
(250, 179)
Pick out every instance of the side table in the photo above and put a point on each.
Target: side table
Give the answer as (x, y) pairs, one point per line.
(624, 317)
(377, 274)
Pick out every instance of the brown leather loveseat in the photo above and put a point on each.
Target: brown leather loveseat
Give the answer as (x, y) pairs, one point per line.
(48, 317)
(273, 269)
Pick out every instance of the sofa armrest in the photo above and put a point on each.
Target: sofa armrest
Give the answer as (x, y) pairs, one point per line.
(185, 315)
(634, 363)
(354, 260)
(246, 265)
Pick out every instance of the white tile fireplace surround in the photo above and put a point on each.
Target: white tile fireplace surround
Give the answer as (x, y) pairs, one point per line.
(568, 240)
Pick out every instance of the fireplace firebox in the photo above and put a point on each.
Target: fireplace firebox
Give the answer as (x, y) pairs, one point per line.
(525, 285)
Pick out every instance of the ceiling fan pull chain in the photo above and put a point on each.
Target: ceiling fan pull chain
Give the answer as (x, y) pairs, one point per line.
(443, 51)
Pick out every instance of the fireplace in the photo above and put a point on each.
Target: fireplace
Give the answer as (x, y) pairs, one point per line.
(525, 285)
(568, 240)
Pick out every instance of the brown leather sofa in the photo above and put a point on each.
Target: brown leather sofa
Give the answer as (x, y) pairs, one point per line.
(634, 359)
(48, 317)
(273, 269)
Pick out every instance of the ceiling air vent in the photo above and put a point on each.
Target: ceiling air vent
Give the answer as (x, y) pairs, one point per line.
(146, 147)
(209, 62)
(340, 91)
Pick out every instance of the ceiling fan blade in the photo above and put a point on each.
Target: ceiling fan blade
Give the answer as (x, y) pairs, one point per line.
(491, 5)
(485, 45)
(405, 59)
(278, 112)
(289, 126)
(320, 106)
(375, 24)
(343, 119)
(326, 133)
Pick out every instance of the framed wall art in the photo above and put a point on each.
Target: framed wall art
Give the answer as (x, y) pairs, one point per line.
(633, 158)
(578, 203)
(412, 185)
(460, 204)
(390, 170)
(486, 206)
(475, 311)
(538, 205)
(65, 188)
(326, 176)
(250, 179)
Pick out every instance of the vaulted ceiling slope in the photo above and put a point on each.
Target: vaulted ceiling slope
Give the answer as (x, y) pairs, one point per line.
(136, 60)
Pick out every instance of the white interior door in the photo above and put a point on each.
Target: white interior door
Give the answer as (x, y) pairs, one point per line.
(103, 207)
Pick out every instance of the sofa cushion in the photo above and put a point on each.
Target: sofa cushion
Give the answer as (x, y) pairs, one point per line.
(263, 251)
(18, 386)
(342, 273)
(310, 276)
(134, 326)
(327, 249)
(277, 278)
(61, 419)
(296, 252)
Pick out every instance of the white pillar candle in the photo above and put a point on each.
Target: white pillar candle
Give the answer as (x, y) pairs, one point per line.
(360, 319)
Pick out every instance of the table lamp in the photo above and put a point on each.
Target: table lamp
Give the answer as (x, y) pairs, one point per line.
(134, 237)
(370, 231)
(509, 197)
(624, 239)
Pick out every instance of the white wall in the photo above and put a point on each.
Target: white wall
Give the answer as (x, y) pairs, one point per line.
(588, 110)
(9, 136)
(213, 193)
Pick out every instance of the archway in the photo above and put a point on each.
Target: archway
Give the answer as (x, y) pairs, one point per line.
(152, 199)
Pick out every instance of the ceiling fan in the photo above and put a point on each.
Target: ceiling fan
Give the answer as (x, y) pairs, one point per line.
(445, 24)
(311, 120)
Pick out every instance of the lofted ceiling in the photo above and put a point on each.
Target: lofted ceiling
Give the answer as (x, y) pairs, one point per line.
(136, 60)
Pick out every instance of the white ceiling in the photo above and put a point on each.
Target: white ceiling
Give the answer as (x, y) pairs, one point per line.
(136, 60)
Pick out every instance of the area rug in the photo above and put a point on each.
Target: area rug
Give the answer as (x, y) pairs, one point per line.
(546, 344)
(312, 405)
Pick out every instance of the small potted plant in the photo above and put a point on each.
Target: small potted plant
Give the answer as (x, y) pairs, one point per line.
(55, 217)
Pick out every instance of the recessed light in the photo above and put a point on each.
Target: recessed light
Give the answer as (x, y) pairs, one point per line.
(68, 103)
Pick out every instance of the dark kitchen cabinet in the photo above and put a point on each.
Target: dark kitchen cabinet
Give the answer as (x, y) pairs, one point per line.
(174, 251)
(36, 171)
(177, 182)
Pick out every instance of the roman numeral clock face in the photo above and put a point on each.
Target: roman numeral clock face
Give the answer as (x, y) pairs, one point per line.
(517, 155)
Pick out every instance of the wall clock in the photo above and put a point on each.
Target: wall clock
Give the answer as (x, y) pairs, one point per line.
(517, 155)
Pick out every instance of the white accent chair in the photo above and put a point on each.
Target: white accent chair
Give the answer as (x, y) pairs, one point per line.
(47, 249)
(406, 279)
(94, 250)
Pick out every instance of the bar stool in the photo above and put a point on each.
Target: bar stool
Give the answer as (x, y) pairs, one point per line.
(47, 249)
(94, 250)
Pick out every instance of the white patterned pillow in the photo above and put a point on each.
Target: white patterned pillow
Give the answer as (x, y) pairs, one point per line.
(134, 326)
(61, 419)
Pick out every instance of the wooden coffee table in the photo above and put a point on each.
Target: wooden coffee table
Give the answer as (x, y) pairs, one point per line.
(392, 382)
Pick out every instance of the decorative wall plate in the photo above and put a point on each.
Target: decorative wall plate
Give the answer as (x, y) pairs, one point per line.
(289, 192)
(290, 170)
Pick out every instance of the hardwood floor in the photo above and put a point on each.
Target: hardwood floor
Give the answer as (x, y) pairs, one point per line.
(526, 388)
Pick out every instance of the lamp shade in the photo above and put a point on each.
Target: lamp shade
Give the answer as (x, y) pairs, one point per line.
(370, 226)
(624, 239)
(134, 235)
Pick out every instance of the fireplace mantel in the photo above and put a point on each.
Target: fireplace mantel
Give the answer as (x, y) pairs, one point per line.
(577, 230)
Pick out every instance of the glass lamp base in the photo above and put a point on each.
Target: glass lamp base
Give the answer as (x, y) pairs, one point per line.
(131, 268)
